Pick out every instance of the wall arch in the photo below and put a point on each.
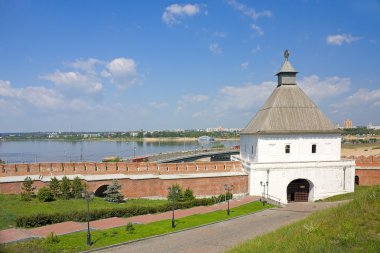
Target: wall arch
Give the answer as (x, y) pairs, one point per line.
(300, 190)
(100, 191)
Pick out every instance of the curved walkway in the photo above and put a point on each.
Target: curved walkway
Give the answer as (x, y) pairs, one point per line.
(219, 237)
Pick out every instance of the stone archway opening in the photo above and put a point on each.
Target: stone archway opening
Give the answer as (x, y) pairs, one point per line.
(100, 191)
(298, 190)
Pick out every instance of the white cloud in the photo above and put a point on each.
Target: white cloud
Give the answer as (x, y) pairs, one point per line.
(339, 39)
(243, 98)
(319, 89)
(249, 12)
(363, 97)
(219, 34)
(256, 49)
(173, 13)
(85, 65)
(188, 99)
(244, 65)
(122, 72)
(40, 97)
(257, 29)
(215, 48)
(74, 81)
(159, 105)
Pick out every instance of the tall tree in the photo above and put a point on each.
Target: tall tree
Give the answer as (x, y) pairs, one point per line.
(113, 194)
(77, 188)
(27, 189)
(55, 187)
(65, 188)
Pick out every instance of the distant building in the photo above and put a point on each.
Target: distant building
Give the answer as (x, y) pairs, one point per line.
(347, 123)
(291, 150)
(370, 126)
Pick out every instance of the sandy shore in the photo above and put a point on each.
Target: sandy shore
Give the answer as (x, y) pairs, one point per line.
(361, 149)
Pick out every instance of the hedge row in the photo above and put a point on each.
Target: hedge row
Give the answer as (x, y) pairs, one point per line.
(43, 219)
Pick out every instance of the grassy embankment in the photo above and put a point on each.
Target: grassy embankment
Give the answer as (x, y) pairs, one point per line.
(12, 206)
(76, 242)
(352, 227)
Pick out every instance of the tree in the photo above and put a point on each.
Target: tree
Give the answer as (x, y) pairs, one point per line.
(188, 195)
(27, 189)
(175, 193)
(45, 195)
(54, 187)
(77, 188)
(65, 188)
(112, 194)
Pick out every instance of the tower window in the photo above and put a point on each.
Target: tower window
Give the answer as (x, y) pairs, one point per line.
(252, 149)
(287, 149)
(314, 148)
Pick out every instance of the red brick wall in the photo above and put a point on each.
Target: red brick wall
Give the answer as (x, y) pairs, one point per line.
(368, 176)
(88, 168)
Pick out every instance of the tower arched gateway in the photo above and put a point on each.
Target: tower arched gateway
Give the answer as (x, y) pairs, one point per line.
(292, 146)
(299, 190)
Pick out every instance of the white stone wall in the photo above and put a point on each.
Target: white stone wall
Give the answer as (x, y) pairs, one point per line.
(271, 148)
(325, 178)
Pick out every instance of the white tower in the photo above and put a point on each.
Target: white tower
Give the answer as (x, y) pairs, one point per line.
(291, 149)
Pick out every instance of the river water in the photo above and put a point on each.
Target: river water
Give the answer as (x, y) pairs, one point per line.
(95, 151)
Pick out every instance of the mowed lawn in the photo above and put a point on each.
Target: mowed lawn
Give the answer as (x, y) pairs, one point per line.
(11, 206)
(76, 242)
(352, 227)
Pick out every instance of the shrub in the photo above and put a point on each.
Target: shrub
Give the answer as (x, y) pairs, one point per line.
(27, 189)
(52, 238)
(65, 188)
(38, 220)
(45, 195)
(188, 195)
(130, 228)
(112, 194)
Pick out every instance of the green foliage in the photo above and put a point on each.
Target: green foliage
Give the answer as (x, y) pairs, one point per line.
(54, 187)
(175, 193)
(65, 188)
(75, 242)
(113, 194)
(76, 188)
(45, 195)
(42, 219)
(27, 189)
(218, 144)
(130, 228)
(2, 162)
(52, 238)
(350, 227)
(188, 195)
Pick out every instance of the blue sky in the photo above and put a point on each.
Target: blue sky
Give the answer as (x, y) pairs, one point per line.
(128, 65)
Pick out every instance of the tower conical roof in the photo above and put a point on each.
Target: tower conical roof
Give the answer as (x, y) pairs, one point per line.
(289, 110)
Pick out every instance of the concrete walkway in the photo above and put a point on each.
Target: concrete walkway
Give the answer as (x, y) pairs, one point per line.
(12, 235)
(221, 236)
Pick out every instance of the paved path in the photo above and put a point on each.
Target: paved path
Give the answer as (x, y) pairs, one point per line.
(221, 236)
(12, 235)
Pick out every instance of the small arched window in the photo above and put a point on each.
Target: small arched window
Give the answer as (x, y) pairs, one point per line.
(287, 149)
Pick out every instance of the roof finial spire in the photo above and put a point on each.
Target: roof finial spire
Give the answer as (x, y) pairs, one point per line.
(286, 55)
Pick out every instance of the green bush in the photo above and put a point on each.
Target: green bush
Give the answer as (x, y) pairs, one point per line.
(55, 187)
(45, 195)
(130, 228)
(188, 195)
(65, 188)
(38, 220)
(113, 194)
(27, 189)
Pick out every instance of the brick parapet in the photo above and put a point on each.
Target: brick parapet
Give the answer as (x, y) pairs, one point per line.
(91, 168)
(365, 161)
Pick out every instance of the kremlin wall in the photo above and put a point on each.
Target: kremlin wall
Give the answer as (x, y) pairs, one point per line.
(152, 179)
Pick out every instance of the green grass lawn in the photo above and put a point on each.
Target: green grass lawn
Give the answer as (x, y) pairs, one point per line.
(352, 227)
(12, 206)
(346, 196)
(76, 242)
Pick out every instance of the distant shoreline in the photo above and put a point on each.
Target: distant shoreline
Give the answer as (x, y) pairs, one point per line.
(163, 139)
